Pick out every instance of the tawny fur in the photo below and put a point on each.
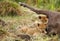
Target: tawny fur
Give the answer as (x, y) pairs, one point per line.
(39, 27)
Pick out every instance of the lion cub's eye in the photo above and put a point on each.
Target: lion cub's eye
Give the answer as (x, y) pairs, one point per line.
(38, 24)
(39, 17)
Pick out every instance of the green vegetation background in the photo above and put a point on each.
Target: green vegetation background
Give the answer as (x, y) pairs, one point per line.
(44, 4)
(11, 7)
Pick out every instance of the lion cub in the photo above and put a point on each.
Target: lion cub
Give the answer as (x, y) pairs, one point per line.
(39, 26)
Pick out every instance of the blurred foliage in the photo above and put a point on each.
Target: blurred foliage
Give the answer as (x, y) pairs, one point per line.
(43, 4)
(9, 8)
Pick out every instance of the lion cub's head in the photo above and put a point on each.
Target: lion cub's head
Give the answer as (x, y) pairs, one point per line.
(43, 22)
(43, 18)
